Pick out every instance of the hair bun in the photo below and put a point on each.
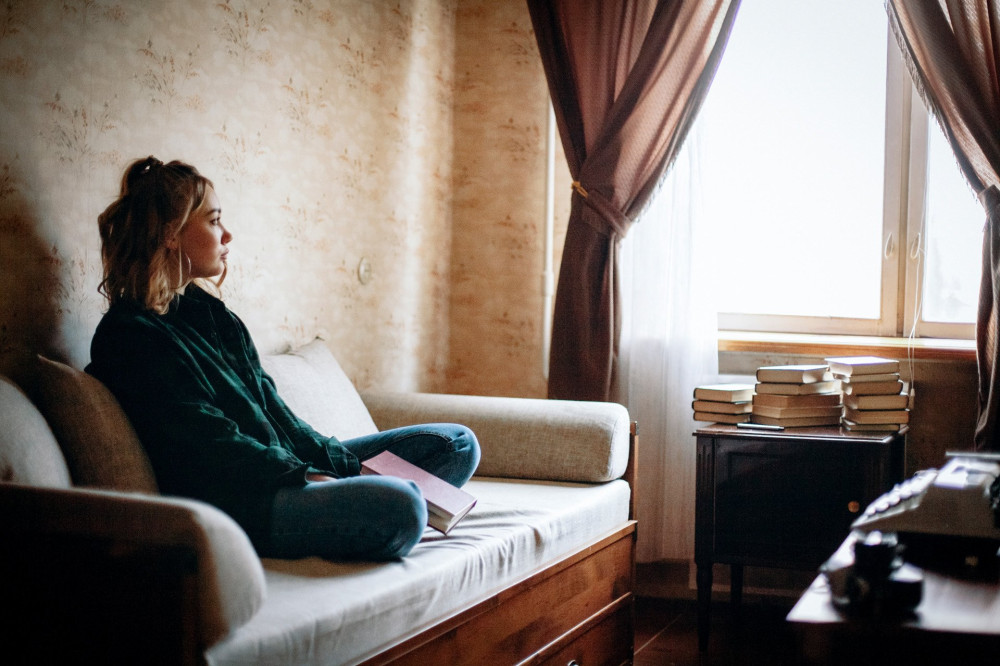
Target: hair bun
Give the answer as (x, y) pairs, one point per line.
(139, 169)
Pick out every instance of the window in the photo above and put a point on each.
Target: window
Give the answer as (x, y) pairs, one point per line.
(837, 206)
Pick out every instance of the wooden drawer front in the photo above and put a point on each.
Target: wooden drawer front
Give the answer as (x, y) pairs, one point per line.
(607, 643)
(518, 623)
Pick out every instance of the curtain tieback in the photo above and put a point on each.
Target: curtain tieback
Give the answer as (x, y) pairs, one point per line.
(608, 221)
(990, 198)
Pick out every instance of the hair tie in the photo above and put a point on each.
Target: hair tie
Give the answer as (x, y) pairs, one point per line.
(149, 164)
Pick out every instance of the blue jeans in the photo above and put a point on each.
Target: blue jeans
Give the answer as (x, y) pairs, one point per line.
(371, 517)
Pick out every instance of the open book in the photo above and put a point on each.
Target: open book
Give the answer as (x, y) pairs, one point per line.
(446, 504)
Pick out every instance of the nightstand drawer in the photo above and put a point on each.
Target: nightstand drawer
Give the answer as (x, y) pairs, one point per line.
(788, 503)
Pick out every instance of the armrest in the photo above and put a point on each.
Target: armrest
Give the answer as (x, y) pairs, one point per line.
(119, 530)
(526, 438)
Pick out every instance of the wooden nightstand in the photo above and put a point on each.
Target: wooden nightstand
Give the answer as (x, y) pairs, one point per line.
(782, 499)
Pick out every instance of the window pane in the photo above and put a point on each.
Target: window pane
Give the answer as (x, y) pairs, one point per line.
(792, 167)
(953, 224)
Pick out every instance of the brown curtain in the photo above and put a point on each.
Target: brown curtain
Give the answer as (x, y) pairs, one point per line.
(953, 50)
(626, 80)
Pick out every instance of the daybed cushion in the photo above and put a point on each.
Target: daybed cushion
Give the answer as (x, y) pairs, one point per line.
(524, 438)
(97, 439)
(333, 612)
(29, 452)
(312, 383)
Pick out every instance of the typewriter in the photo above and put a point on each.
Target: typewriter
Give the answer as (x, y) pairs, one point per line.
(949, 515)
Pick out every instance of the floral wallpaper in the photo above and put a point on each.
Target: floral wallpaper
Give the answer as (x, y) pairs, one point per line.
(501, 114)
(406, 134)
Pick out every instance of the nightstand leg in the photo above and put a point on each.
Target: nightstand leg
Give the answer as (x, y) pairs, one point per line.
(736, 594)
(736, 586)
(704, 577)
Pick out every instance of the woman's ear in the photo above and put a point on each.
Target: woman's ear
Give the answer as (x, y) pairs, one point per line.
(172, 243)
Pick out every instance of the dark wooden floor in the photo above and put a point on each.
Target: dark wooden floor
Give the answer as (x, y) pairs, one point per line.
(667, 633)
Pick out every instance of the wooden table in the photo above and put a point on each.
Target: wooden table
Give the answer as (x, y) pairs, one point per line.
(782, 499)
(957, 622)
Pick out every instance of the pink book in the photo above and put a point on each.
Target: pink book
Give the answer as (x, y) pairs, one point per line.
(446, 504)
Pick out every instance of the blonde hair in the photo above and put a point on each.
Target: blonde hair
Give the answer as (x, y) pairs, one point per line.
(155, 202)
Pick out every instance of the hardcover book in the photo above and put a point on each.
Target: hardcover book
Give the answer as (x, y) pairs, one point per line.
(849, 366)
(794, 374)
(711, 417)
(864, 417)
(875, 377)
(798, 421)
(795, 412)
(715, 407)
(797, 389)
(872, 388)
(811, 400)
(446, 504)
(870, 427)
(862, 402)
(724, 392)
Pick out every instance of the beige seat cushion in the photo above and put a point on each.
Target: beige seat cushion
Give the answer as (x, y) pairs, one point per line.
(334, 612)
(316, 388)
(97, 439)
(29, 453)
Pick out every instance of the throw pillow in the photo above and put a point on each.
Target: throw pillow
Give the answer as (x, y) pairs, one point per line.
(319, 392)
(98, 442)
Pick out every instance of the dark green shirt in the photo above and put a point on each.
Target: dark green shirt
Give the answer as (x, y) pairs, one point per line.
(208, 415)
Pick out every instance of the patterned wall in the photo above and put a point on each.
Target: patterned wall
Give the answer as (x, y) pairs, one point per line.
(334, 131)
(501, 110)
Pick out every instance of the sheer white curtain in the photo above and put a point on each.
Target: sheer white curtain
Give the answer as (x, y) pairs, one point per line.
(668, 346)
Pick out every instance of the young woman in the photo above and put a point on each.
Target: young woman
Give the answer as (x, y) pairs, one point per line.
(186, 372)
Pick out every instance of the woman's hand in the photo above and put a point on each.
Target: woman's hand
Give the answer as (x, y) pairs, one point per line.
(312, 477)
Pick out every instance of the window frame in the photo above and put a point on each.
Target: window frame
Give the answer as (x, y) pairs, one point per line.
(904, 186)
(913, 324)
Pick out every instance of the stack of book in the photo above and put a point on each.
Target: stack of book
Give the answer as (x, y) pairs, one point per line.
(795, 396)
(722, 403)
(875, 398)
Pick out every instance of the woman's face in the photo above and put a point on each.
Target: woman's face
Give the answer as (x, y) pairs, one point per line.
(203, 240)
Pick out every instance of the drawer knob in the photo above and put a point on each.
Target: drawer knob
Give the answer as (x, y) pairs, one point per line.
(854, 506)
